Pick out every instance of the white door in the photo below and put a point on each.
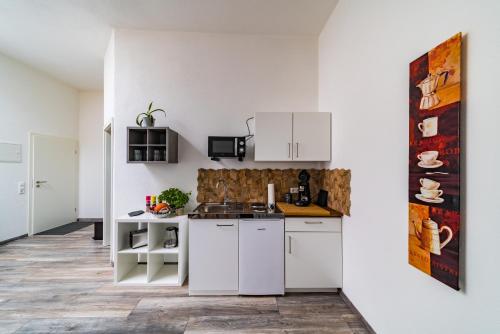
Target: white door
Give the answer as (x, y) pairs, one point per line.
(273, 136)
(311, 136)
(262, 269)
(213, 256)
(313, 260)
(53, 183)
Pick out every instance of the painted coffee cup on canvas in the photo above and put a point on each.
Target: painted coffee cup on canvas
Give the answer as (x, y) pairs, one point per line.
(428, 157)
(431, 193)
(429, 127)
(429, 184)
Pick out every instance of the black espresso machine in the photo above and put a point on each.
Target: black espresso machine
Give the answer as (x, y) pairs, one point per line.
(304, 195)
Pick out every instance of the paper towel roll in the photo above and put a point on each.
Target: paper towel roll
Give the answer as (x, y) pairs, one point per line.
(270, 196)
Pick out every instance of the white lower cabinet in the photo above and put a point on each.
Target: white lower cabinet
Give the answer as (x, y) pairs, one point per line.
(313, 256)
(313, 253)
(262, 265)
(213, 256)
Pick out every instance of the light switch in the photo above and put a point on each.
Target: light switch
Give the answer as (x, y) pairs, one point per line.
(21, 188)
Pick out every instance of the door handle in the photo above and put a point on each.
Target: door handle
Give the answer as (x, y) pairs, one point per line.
(38, 183)
(289, 149)
(320, 222)
(289, 244)
(297, 152)
(261, 229)
(222, 225)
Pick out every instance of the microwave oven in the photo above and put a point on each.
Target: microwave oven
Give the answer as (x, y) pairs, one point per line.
(226, 147)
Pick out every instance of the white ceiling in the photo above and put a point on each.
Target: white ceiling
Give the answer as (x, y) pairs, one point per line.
(68, 38)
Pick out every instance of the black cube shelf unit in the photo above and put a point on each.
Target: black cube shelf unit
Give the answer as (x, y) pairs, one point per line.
(152, 145)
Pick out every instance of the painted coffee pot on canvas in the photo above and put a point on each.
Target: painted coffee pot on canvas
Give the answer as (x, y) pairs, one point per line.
(429, 236)
(428, 87)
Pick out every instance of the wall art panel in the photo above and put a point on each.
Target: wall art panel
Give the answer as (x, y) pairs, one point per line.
(434, 162)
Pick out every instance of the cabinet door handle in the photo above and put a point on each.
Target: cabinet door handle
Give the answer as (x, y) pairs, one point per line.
(297, 153)
(261, 229)
(289, 244)
(320, 222)
(289, 149)
(222, 225)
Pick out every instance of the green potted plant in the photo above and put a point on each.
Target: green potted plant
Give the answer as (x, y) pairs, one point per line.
(146, 119)
(175, 198)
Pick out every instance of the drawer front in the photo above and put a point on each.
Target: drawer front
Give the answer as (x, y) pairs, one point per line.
(313, 224)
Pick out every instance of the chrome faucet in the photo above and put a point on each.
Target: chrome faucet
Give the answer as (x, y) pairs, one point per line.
(226, 199)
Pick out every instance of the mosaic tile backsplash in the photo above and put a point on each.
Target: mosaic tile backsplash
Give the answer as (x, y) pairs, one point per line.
(250, 185)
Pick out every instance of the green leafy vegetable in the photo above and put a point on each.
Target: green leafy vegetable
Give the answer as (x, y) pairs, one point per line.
(175, 197)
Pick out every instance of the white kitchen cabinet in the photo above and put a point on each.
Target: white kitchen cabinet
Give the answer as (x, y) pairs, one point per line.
(311, 136)
(286, 136)
(213, 256)
(273, 136)
(313, 254)
(261, 261)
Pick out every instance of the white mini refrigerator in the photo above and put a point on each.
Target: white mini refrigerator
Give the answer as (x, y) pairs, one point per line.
(262, 257)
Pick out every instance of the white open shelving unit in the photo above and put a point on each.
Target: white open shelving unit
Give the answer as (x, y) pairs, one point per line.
(152, 264)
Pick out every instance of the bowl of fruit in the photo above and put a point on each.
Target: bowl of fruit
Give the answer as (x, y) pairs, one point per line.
(163, 210)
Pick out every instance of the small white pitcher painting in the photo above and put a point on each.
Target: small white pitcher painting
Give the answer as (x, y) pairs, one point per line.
(434, 162)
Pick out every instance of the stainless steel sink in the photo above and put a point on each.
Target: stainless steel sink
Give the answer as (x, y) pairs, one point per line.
(232, 210)
(219, 207)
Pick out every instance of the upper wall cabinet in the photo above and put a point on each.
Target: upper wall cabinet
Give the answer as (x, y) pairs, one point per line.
(273, 136)
(282, 136)
(152, 145)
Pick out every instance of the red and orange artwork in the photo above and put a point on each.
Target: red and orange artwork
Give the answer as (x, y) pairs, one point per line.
(434, 162)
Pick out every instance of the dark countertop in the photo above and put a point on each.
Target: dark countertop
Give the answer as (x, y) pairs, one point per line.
(243, 210)
(234, 211)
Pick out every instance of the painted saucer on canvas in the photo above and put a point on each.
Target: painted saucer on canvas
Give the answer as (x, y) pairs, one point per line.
(436, 164)
(437, 200)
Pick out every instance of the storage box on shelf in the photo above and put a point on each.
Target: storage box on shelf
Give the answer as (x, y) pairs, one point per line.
(152, 264)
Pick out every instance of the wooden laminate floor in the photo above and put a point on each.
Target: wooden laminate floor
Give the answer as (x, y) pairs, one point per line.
(63, 284)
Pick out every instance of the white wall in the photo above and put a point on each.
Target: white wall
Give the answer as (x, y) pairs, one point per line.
(29, 101)
(364, 53)
(90, 132)
(109, 80)
(209, 84)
